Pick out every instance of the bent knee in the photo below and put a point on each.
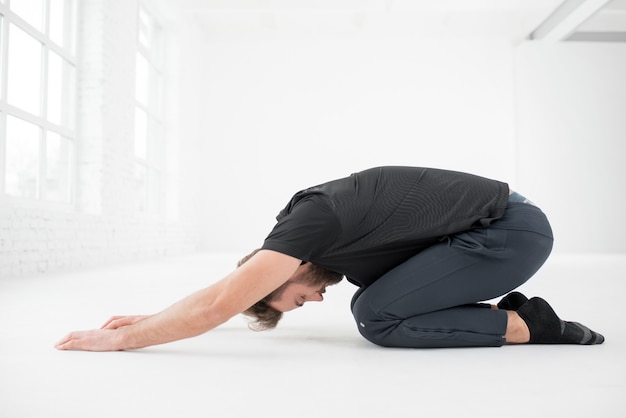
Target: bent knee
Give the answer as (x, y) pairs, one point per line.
(378, 332)
(371, 325)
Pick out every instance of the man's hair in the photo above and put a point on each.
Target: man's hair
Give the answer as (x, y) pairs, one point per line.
(265, 317)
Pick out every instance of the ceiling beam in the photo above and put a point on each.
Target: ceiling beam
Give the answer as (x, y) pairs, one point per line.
(566, 18)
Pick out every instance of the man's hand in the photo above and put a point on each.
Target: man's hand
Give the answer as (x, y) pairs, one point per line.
(94, 340)
(103, 339)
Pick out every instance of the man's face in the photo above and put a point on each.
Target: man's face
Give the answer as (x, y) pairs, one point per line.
(296, 293)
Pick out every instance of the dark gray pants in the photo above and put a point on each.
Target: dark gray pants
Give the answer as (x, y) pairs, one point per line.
(431, 300)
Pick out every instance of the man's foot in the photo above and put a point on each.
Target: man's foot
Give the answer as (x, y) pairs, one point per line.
(512, 301)
(547, 328)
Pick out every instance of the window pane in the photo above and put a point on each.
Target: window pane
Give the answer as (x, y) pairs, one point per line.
(55, 28)
(142, 80)
(24, 73)
(60, 90)
(61, 28)
(157, 95)
(141, 187)
(141, 134)
(29, 10)
(156, 142)
(146, 29)
(59, 154)
(22, 158)
(55, 87)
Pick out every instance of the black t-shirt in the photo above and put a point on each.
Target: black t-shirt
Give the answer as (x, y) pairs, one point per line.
(365, 224)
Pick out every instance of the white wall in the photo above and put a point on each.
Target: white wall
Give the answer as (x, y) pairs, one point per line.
(571, 140)
(266, 118)
(271, 116)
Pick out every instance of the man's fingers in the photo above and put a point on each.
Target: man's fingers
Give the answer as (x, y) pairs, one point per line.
(63, 346)
(121, 321)
(65, 343)
(108, 323)
(59, 344)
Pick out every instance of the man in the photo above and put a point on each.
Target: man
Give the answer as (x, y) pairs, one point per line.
(424, 246)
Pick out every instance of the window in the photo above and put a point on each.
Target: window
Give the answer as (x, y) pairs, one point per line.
(149, 124)
(37, 83)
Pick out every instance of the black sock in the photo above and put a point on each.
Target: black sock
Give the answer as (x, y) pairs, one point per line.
(512, 301)
(547, 328)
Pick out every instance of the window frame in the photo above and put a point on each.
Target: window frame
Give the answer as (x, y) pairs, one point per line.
(68, 55)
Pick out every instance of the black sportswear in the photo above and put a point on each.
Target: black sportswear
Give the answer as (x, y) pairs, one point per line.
(365, 224)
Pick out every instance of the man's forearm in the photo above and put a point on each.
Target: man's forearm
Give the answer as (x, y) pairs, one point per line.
(187, 318)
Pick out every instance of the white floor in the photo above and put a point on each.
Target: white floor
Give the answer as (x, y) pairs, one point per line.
(314, 365)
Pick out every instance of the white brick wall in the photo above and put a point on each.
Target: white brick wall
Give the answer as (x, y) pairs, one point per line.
(104, 227)
(40, 240)
(107, 44)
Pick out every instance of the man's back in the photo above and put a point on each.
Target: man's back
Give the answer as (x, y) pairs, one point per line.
(369, 222)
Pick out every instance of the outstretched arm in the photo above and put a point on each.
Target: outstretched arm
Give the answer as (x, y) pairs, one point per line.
(198, 312)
